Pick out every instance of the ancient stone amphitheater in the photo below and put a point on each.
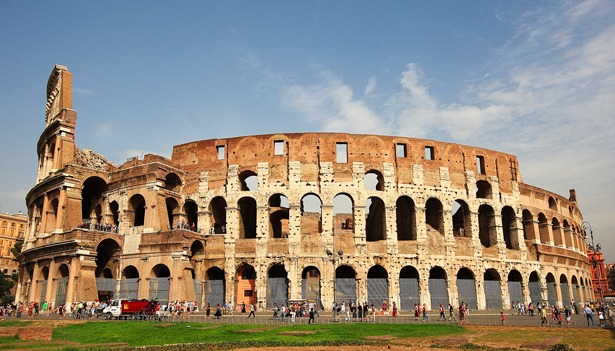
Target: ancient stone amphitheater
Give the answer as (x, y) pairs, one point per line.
(313, 216)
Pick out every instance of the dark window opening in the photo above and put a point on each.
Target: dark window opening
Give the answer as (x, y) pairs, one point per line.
(480, 164)
(429, 153)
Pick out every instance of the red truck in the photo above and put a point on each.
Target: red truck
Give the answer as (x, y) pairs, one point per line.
(131, 309)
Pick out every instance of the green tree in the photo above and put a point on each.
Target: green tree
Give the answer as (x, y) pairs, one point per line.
(16, 249)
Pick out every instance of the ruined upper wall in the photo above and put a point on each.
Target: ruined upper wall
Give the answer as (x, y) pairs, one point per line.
(59, 92)
(372, 150)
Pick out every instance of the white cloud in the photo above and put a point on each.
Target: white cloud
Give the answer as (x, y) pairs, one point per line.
(371, 85)
(83, 92)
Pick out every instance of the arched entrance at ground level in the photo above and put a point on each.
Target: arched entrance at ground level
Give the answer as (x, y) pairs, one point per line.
(345, 284)
(45, 274)
(160, 284)
(493, 290)
(535, 290)
(105, 267)
(246, 283)
(310, 285)
(438, 288)
(575, 289)
(129, 284)
(515, 287)
(214, 287)
(466, 288)
(277, 286)
(408, 288)
(197, 253)
(377, 286)
(563, 286)
(62, 285)
(552, 297)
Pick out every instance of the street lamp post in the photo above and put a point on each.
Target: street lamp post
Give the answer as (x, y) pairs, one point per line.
(595, 248)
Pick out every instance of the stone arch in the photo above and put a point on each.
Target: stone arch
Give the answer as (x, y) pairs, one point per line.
(130, 272)
(247, 217)
(438, 287)
(310, 285)
(406, 218)
(343, 214)
(434, 219)
(377, 285)
(543, 228)
(551, 289)
(534, 287)
(557, 232)
(159, 283)
(172, 182)
(483, 189)
(248, 181)
(509, 228)
(345, 284)
(486, 224)
(564, 289)
(45, 275)
(409, 287)
(528, 225)
(493, 289)
(311, 214)
(373, 180)
(136, 210)
(107, 256)
(172, 211)
(575, 288)
(160, 271)
(515, 286)
(114, 208)
(215, 286)
(55, 203)
(279, 209)
(552, 204)
(375, 223)
(246, 285)
(91, 195)
(462, 221)
(217, 207)
(568, 233)
(277, 285)
(466, 287)
(191, 210)
(61, 284)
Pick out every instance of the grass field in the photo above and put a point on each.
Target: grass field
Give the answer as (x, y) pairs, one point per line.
(208, 336)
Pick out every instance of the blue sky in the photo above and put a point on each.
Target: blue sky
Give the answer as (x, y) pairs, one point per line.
(534, 79)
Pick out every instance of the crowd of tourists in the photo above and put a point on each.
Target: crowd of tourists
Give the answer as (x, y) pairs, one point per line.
(105, 227)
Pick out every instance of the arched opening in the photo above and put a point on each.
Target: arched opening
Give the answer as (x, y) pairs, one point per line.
(564, 288)
(217, 207)
(172, 211)
(279, 208)
(406, 218)
(310, 285)
(246, 285)
(277, 286)
(534, 287)
(136, 210)
(343, 216)
(375, 226)
(558, 239)
(408, 288)
(438, 289)
(54, 207)
(215, 286)
(172, 182)
(552, 204)
(493, 289)
(45, 275)
(248, 181)
(191, 211)
(114, 209)
(377, 285)
(575, 290)
(373, 180)
(62, 285)
(543, 227)
(466, 288)
(528, 225)
(461, 219)
(483, 189)
(130, 272)
(311, 212)
(107, 262)
(509, 227)
(515, 286)
(345, 284)
(434, 218)
(159, 284)
(91, 196)
(247, 218)
(486, 226)
(551, 289)
(568, 235)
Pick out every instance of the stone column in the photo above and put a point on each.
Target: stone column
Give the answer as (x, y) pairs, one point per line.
(481, 302)
(51, 282)
(424, 295)
(391, 230)
(44, 214)
(359, 229)
(35, 284)
(73, 275)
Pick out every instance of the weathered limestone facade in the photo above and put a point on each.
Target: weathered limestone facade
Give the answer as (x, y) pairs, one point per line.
(268, 218)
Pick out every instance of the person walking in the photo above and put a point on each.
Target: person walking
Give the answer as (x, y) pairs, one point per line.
(503, 318)
(275, 311)
(451, 313)
(311, 320)
(589, 314)
(425, 312)
(252, 309)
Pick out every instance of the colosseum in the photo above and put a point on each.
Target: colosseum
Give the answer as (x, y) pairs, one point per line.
(317, 216)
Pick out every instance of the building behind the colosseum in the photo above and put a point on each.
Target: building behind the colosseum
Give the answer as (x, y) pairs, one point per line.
(268, 218)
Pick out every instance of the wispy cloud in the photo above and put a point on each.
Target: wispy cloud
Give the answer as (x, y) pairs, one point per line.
(83, 92)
